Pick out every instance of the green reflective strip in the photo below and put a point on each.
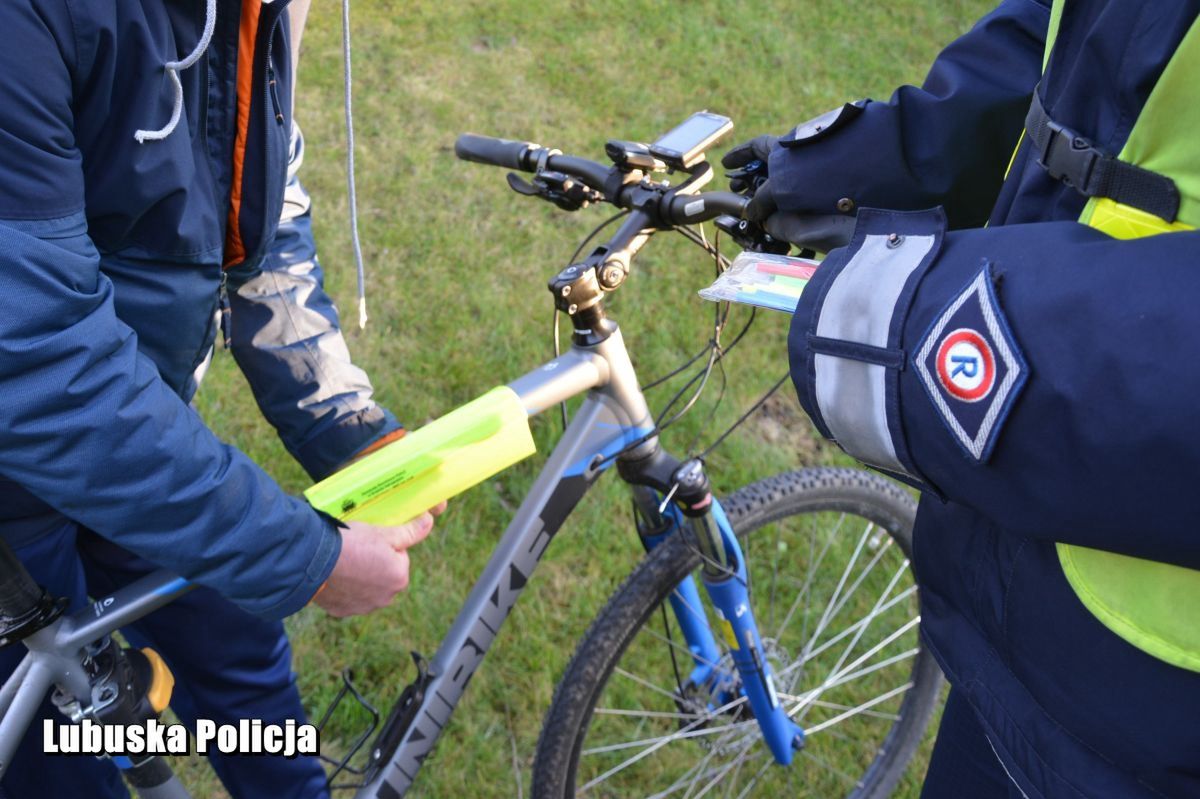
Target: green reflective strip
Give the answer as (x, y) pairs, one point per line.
(1153, 606)
(1166, 137)
(1124, 221)
(1012, 159)
(1056, 10)
(1051, 35)
(443, 458)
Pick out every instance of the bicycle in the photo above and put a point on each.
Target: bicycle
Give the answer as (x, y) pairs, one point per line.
(710, 700)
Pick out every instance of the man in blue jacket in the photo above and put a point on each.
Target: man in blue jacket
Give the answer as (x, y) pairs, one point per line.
(1035, 377)
(144, 149)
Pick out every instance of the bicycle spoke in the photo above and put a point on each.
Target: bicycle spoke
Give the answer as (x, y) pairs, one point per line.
(687, 731)
(699, 614)
(774, 578)
(903, 595)
(859, 581)
(828, 767)
(755, 779)
(874, 612)
(654, 714)
(913, 622)
(825, 617)
(720, 776)
(812, 543)
(837, 679)
(857, 625)
(689, 777)
(812, 573)
(810, 697)
(646, 683)
(732, 783)
(874, 713)
(855, 711)
(685, 650)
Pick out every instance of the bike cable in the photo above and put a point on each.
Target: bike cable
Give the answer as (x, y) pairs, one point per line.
(715, 354)
(578, 250)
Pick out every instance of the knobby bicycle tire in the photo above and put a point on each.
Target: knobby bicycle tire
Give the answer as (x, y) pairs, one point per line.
(634, 608)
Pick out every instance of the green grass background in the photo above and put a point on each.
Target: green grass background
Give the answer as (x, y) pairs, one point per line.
(457, 266)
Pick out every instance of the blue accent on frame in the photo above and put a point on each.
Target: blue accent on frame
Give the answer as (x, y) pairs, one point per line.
(689, 609)
(731, 598)
(693, 622)
(171, 587)
(623, 438)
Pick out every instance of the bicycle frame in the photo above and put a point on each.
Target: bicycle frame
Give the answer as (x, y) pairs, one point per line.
(613, 416)
(55, 655)
(613, 425)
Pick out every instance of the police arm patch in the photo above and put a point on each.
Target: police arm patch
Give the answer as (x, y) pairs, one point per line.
(971, 367)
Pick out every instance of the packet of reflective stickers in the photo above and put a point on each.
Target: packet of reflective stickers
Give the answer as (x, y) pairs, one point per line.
(442, 459)
(763, 280)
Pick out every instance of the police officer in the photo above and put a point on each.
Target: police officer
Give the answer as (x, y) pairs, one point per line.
(1023, 353)
(144, 151)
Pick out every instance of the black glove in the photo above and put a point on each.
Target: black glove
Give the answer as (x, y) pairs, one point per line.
(749, 160)
(820, 232)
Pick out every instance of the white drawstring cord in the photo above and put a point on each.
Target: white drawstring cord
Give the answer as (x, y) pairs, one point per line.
(350, 188)
(174, 68)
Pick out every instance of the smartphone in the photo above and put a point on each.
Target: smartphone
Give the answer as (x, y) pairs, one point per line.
(684, 145)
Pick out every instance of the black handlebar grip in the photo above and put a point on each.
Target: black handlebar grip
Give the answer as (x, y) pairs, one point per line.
(688, 209)
(488, 150)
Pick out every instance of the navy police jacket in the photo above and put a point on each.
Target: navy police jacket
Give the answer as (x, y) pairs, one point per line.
(1035, 377)
(112, 257)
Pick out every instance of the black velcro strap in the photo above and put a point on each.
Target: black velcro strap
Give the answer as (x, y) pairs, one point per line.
(1072, 159)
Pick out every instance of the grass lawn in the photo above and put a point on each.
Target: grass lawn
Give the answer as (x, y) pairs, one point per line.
(457, 266)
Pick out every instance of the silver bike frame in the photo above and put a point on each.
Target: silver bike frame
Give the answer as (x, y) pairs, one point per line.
(613, 416)
(56, 656)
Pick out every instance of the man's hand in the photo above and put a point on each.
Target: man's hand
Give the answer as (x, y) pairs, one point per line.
(373, 565)
(820, 232)
(749, 162)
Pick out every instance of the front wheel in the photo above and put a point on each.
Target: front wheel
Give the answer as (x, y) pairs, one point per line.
(828, 557)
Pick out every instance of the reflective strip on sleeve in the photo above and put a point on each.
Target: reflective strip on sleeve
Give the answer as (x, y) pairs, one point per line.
(858, 308)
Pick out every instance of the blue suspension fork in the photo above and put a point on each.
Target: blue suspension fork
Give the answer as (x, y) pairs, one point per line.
(724, 578)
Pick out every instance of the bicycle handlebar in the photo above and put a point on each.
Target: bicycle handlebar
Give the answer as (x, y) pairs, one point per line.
(688, 209)
(489, 150)
(673, 208)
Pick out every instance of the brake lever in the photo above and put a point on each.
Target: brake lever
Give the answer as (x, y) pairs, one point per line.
(521, 186)
(749, 178)
(568, 193)
(751, 236)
